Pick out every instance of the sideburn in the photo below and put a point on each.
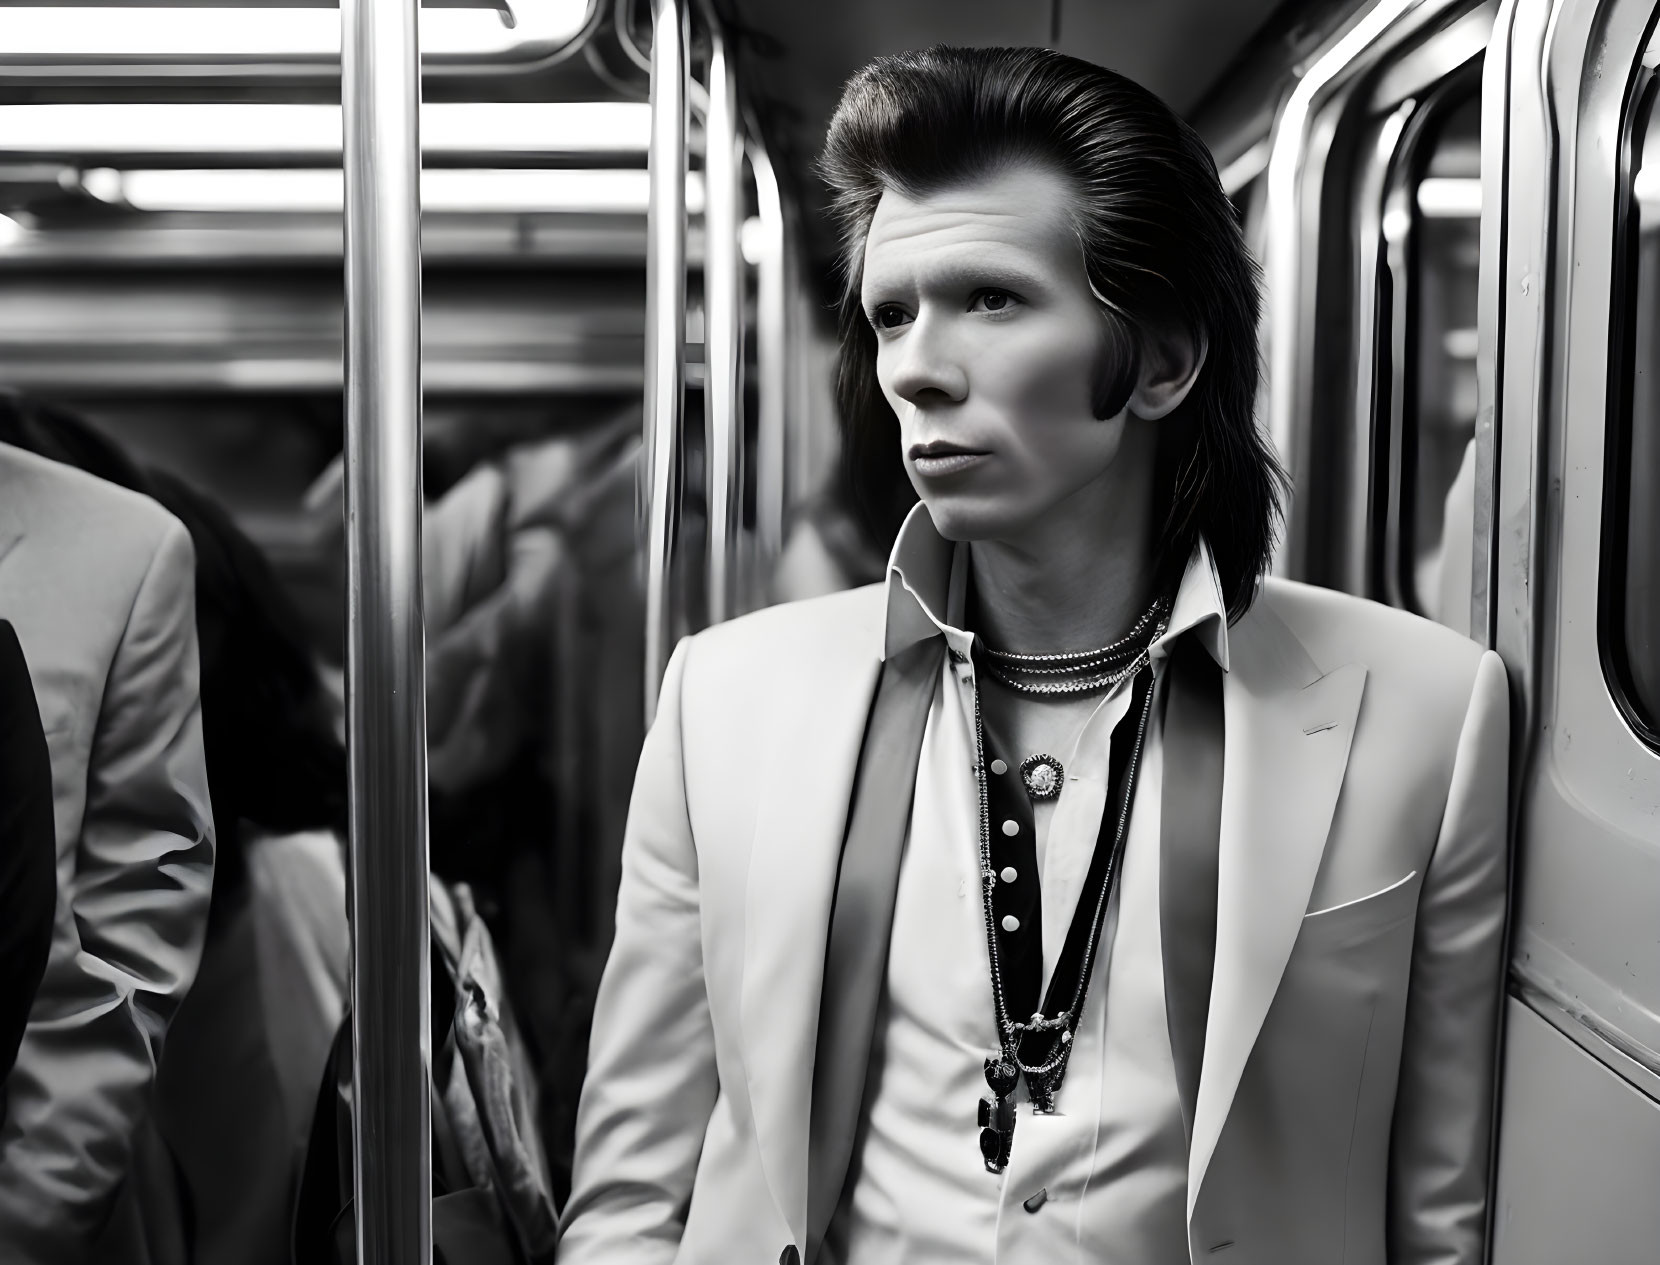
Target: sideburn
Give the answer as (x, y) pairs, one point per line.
(1116, 371)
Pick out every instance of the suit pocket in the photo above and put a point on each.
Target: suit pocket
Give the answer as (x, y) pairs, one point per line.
(1366, 916)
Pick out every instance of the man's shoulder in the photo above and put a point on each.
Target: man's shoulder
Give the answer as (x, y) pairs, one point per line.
(809, 636)
(53, 501)
(1400, 650)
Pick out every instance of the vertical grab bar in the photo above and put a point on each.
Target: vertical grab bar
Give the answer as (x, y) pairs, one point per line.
(386, 683)
(723, 348)
(771, 360)
(665, 394)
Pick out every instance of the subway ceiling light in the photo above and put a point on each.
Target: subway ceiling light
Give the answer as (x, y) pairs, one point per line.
(443, 189)
(1449, 197)
(564, 127)
(142, 32)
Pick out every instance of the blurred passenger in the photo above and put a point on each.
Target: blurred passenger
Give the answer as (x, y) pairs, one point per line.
(239, 1083)
(534, 623)
(249, 1043)
(28, 852)
(99, 584)
(828, 550)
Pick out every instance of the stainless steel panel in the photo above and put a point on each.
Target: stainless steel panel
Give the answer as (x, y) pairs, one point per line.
(1587, 882)
(1578, 1158)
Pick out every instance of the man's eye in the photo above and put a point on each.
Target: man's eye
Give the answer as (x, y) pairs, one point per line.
(992, 301)
(887, 316)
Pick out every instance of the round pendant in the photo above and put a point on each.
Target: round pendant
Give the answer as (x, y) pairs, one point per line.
(1042, 775)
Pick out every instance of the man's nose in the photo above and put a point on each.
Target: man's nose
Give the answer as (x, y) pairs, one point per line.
(926, 369)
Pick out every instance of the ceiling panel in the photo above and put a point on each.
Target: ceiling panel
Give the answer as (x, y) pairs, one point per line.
(1177, 48)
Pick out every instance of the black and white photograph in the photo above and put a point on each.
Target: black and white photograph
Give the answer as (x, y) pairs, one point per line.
(773, 632)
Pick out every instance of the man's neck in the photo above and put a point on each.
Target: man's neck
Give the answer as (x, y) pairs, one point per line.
(1076, 581)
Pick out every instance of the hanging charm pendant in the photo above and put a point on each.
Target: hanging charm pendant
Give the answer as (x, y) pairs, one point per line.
(997, 1116)
(1042, 775)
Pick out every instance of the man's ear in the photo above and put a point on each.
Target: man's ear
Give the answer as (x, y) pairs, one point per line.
(1171, 358)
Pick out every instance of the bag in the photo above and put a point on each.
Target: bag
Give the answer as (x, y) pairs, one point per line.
(491, 1203)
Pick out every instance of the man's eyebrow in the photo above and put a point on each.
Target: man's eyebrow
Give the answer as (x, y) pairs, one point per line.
(964, 274)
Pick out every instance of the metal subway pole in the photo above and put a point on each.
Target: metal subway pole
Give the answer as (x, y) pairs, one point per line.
(665, 393)
(723, 339)
(385, 651)
(771, 360)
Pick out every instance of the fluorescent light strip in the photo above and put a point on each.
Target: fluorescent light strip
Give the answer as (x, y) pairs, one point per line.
(1449, 197)
(576, 127)
(1646, 185)
(145, 32)
(442, 189)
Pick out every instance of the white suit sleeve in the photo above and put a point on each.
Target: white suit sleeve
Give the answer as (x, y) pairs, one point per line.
(1439, 1150)
(651, 1082)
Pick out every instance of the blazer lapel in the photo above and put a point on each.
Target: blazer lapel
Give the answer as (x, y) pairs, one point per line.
(806, 778)
(1287, 735)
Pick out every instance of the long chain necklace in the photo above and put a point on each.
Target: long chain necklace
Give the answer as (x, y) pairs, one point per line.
(1044, 1076)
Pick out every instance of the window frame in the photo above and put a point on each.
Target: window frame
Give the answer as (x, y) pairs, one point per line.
(1395, 452)
(1316, 315)
(1618, 473)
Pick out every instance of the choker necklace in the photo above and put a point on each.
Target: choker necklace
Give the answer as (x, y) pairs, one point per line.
(1079, 671)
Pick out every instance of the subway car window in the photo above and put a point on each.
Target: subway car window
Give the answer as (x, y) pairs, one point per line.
(1437, 452)
(1631, 583)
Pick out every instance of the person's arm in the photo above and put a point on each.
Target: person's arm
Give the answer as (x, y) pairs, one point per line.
(651, 1081)
(128, 938)
(28, 848)
(1444, 1108)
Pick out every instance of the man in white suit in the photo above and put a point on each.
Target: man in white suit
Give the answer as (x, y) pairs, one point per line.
(100, 584)
(1075, 894)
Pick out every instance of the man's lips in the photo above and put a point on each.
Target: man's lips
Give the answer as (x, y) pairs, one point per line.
(936, 460)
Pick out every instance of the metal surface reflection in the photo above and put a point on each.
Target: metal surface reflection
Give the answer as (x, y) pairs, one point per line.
(386, 707)
(665, 395)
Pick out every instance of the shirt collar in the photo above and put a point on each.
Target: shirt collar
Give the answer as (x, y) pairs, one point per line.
(927, 587)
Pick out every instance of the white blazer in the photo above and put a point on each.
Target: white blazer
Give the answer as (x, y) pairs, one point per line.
(1345, 1094)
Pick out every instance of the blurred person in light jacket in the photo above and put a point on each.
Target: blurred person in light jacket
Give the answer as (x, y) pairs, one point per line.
(99, 583)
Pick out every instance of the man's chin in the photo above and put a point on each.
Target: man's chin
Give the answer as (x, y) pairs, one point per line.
(961, 520)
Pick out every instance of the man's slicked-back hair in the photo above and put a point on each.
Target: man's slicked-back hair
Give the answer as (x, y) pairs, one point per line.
(1160, 245)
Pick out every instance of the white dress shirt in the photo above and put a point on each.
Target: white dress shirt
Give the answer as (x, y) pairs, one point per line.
(1110, 1163)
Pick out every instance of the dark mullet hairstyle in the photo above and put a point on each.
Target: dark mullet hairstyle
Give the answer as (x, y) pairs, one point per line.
(1160, 244)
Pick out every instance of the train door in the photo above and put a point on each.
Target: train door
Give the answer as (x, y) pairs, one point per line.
(1566, 591)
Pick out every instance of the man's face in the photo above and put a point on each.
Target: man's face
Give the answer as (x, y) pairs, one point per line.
(989, 347)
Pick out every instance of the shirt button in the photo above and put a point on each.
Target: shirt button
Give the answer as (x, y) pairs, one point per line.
(1010, 874)
(999, 768)
(1011, 828)
(1010, 923)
